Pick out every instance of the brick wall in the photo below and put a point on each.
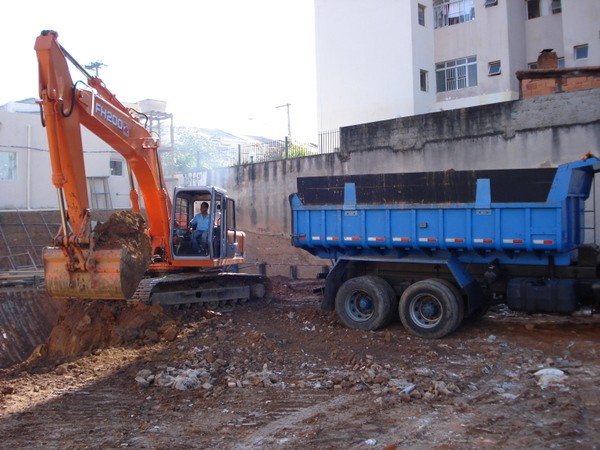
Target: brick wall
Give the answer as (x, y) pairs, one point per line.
(551, 81)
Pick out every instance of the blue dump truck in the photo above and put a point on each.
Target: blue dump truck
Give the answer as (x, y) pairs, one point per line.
(437, 248)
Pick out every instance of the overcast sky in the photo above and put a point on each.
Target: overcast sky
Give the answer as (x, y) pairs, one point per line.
(217, 63)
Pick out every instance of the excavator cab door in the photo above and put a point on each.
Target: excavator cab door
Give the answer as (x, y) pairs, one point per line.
(230, 234)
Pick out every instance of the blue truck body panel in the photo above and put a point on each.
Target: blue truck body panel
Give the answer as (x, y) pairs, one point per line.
(481, 232)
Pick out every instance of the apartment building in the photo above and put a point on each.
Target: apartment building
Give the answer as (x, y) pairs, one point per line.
(384, 59)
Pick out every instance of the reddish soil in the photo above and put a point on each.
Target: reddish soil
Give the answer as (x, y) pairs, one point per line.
(283, 374)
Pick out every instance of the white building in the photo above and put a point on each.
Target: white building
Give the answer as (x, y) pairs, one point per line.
(25, 174)
(384, 59)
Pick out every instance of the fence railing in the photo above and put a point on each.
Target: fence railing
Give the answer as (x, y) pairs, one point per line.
(18, 261)
(329, 142)
(257, 152)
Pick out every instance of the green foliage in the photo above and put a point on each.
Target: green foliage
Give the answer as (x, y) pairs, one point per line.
(296, 150)
(194, 150)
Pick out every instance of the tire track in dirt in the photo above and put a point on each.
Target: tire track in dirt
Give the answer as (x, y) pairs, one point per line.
(290, 426)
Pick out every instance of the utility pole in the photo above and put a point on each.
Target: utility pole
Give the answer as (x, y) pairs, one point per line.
(287, 106)
(95, 66)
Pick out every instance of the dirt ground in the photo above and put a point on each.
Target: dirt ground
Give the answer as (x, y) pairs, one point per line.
(282, 374)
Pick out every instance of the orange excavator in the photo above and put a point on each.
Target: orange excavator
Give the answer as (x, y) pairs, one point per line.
(157, 258)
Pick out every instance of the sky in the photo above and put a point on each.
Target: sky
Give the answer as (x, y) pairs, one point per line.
(226, 64)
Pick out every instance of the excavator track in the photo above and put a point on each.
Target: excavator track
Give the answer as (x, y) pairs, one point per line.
(213, 290)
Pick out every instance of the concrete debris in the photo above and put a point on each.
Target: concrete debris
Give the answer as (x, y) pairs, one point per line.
(209, 371)
(424, 372)
(145, 377)
(550, 377)
(180, 379)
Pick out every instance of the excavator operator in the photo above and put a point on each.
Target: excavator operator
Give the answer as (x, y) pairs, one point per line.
(200, 224)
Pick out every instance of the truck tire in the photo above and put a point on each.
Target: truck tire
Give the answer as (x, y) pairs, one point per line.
(366, 303)
(431, 308)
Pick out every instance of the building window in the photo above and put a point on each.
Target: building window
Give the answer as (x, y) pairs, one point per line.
(494, 68)
(116, 167)
(532, 66)
(8, 165)
(457, 74)
(581, 51)
(556, 7)
(423, 78)
(451, 12)
(533, 9)
(561, 63)
(491, 3)
(421, 14)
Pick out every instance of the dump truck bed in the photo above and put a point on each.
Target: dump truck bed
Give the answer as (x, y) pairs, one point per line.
(544, 229)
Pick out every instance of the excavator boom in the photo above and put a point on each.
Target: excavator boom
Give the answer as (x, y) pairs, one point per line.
(77, 266)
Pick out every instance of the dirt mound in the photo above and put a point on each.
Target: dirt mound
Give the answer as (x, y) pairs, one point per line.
(85, 326)
(126, 229)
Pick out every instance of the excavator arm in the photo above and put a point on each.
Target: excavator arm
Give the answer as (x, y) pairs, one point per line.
(74, 267)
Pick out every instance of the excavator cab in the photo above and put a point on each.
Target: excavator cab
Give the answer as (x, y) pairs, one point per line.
(219, 241)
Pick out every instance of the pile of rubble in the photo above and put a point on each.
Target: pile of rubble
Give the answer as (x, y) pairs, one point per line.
(250, 359)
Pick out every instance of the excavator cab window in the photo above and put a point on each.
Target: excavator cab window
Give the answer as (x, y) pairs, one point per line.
(211, 240)
(231, 214)
(181, 215)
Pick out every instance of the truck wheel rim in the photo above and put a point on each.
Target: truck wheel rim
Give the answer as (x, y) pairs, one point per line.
(425, 311)
(360, 307)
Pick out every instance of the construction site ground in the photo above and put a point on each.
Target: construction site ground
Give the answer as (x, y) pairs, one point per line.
(283, 374)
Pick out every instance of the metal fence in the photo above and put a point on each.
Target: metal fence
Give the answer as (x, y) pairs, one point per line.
(258, 152)
(287, 148)
(329, 141)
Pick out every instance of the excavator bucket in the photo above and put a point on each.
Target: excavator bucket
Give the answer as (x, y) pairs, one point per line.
(114, 275)
(110, 268)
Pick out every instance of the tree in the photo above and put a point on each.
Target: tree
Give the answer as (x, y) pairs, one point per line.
(195, 150)
(297, 150)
